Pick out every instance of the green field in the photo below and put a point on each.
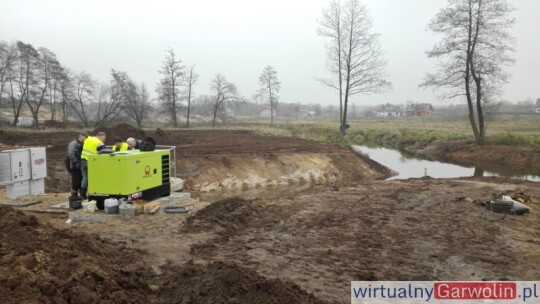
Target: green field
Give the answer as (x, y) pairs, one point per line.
(509, 129)
(400, 133)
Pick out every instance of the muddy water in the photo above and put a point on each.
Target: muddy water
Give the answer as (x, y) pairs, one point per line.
(409, 166)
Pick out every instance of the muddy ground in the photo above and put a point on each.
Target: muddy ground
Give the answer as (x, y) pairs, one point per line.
(43, 264)
(324, 237)
(310, 242)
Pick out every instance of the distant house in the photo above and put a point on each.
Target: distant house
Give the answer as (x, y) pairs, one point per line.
(388, 110)
(537, 107)
(419, 110)
(304, 113)
(229, 113)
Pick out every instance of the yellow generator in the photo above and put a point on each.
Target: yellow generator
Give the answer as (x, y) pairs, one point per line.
(129, 174)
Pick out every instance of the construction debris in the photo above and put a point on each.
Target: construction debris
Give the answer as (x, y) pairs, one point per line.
(21, 203)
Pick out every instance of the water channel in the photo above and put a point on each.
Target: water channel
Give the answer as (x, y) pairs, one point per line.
(409, 166)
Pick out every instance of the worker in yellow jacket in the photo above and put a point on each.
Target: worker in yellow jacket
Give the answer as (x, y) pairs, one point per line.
(91, 146)
(119, 145)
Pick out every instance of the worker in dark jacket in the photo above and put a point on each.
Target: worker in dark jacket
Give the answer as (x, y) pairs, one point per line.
(73, 163)
(133, 143)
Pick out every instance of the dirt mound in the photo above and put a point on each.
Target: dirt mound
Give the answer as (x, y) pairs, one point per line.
(230, 214)
(123, 131)
(227, 283)
(11, 138)
(40, 263)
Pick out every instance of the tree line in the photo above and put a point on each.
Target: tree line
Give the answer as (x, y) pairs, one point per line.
(471, 55)
(34, 78)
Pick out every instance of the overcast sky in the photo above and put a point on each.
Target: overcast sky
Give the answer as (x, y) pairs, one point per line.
(238, 38)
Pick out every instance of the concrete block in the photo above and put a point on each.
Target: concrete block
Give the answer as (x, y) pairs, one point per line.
(177, 184)
(180, 196)
(18, 189)
(174, 198)
(81, 215)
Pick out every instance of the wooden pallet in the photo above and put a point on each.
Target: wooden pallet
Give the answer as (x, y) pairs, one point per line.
(147, 208)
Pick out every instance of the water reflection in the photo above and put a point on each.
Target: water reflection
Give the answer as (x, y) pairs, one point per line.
(410, 166)
(478, 171)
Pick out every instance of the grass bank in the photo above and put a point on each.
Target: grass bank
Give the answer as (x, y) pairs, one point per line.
(403, 133)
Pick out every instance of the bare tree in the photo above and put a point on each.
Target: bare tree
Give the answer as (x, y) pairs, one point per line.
(25, 77)
(169, 86)
(109, 104)
(143, 103)
(134, 98)
(47, 67)
(331, 28)
(354, 53)
(191, 80)
(16, 103)
(224, 92)
(63, 88)
(78, 90)
(8, 56)
(203, 105)
(472, 54)
(269, 89)
(58, 74)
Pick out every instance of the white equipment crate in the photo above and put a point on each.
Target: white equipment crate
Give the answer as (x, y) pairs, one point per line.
(23, 171)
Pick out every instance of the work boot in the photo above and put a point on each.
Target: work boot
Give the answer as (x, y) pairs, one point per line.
(83, 194)
(74, 193)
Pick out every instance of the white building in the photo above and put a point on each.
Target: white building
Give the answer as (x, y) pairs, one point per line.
(388, 110)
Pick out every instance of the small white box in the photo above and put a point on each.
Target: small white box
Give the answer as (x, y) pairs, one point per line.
(5, 168)
(23, 171)
(18, 189)
(38, 163)
(37, 186)
(20, 167)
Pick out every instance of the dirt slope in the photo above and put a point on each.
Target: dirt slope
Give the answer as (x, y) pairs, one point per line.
(211, 160)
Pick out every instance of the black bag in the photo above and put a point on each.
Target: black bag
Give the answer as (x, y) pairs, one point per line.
(148, 144)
